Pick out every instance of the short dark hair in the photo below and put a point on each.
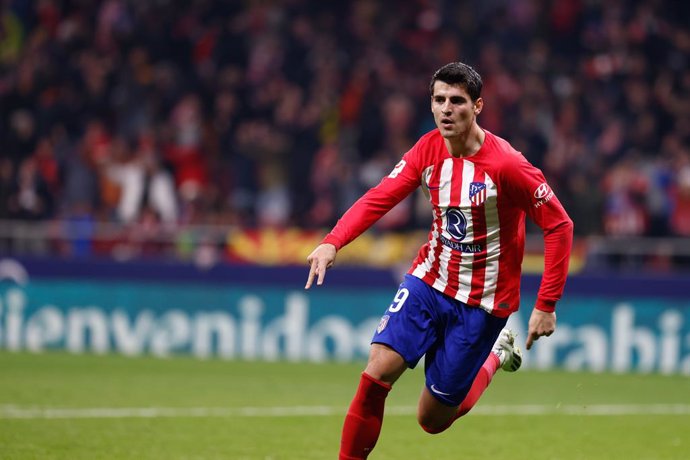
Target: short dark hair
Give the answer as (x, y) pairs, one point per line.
(458, 73)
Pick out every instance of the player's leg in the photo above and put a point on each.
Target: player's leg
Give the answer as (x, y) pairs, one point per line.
(365, 415)
(405, 333)
(435, 417)
(460, 368)
(504, 355)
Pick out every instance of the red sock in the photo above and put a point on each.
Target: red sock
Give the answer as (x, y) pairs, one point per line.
(481, 381)
(364, 419)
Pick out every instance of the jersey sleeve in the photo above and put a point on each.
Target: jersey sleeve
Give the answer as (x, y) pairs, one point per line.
(529, 189)
(402, 180)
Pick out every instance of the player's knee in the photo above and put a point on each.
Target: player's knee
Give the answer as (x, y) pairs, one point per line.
(434, 429)
(385, 364)
(381, 374)
(433, 425)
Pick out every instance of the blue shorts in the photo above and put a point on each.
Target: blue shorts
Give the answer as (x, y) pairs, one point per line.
(455, 338)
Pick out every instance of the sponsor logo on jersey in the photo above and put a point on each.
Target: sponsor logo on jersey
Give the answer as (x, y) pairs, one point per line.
(398, 168)
(542, 191)
(543, 194)
(477, 193)
(383, 323)
(456, 224)
(471, 248)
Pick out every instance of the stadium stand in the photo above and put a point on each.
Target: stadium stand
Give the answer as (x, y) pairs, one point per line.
(278, 114)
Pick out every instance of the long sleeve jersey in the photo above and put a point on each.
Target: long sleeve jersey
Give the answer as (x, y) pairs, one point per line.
(476, 243)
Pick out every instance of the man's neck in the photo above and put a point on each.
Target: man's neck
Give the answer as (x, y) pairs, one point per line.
(468, 144)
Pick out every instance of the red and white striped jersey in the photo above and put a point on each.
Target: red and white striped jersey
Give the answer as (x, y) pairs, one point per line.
(476, 242)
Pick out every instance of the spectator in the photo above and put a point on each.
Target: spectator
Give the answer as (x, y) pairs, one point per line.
(246, 98)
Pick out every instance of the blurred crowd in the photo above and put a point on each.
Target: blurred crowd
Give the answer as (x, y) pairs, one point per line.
(281, 113)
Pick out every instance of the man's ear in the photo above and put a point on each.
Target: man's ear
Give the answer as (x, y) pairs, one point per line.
(478, 106)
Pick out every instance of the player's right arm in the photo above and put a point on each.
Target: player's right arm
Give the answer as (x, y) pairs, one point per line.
(403, 180)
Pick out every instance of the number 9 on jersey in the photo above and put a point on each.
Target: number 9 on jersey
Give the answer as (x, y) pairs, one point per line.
(399, 300)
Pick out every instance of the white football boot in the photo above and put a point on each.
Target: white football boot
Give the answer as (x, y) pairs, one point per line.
(508, 353)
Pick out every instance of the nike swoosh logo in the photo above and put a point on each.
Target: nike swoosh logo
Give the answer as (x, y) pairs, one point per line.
(437, 391)
(436, 188)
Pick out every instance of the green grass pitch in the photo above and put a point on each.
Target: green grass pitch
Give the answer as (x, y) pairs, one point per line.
(60, 406)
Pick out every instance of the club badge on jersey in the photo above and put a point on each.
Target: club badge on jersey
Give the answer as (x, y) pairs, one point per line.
(383, 323)
(477, 193)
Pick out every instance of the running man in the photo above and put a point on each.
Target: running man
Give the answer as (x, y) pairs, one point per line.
(465, 282)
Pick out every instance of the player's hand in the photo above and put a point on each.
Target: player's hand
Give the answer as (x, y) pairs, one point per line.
(319, 260)
(540, 323)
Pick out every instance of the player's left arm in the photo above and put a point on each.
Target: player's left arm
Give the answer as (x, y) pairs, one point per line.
(540, 203)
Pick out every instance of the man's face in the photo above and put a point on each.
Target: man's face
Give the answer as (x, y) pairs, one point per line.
(453, 109)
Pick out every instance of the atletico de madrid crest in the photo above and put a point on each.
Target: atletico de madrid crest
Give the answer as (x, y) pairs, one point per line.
(477, 193)
(383, 323)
